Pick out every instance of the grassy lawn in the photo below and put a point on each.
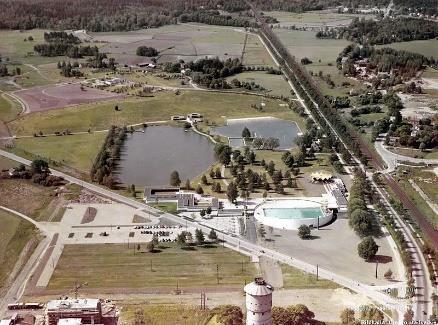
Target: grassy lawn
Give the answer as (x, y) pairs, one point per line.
(274, 84)
(9, 108)
(297, 279)
(163, 314)
(216, 107)
(171, 265)
(26, 197)
(77, 151)
(15, 234)
(169, 207)
(312, 17)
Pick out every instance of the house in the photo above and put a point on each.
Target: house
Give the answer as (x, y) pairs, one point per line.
(190, 201)
(194, 117)
(178, 118)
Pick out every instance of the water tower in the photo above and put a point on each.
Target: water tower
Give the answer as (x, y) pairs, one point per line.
(258, 302)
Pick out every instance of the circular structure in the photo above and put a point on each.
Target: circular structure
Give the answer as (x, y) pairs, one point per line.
(291, 213)
(258, 302)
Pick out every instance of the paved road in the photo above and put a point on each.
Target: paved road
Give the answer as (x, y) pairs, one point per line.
(16, 289)
(392, 158)
(235, 243)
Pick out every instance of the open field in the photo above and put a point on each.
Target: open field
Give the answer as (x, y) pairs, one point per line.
(174, 42)
(256, 54)
(77, 151)
(9, 108)
(26, 197)
(305, 44)
(6, 163)
(426, 47)
(274, 84)
(215, 107)
(49, 97)
(170, 265)
(314, 19)
(15, 235)
(294, 278)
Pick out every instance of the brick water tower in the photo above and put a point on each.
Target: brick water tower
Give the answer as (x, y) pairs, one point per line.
(258, 302)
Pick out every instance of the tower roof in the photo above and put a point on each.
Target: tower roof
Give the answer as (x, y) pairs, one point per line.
(258, 288)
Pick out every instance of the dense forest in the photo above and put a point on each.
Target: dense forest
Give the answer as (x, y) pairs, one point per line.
(61, 37)
(215, 18)
(367, 31)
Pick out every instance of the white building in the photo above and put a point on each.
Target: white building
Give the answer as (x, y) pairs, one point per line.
(258, 302)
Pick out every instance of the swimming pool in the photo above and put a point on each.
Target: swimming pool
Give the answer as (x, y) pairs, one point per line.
(292, 213)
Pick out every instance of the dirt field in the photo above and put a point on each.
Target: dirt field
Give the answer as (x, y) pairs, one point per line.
(57, 96)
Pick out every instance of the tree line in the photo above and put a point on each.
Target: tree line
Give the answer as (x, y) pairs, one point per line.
(103, 166)
(211, 73)
(385, 31)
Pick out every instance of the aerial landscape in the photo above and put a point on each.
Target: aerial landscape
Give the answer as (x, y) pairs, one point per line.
(218, 162)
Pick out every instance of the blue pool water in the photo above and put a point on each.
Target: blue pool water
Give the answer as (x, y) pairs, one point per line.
(293, 213)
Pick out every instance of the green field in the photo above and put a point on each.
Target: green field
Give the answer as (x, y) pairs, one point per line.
(215, 107)
(313, 17)
(305, 44)
(6, 163)
(426, 47)
(126, 268)
(77, 151)
(274, 84)
(15, 234)
(296, 279)
(256, 54)
(9, 108)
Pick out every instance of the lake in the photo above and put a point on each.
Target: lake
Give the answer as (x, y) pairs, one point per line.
(148, 158)
(285, 131)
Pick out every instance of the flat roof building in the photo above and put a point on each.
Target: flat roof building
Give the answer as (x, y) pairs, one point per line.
(89, 311)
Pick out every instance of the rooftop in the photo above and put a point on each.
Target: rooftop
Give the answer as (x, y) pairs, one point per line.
(72, 304)
(259, 288)
(69, 321)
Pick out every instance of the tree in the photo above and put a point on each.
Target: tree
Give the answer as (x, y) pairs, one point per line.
(188, 186)
(246, 134)
(38, 166)
(150, 246)
(217, 173)
(199, 235)
(155, 239)
(174, 179)
(388, 274)
(199, 190)
(347, 316)
(232, 192)
(292, 315)
(146, 51)
(261, 231)
(181, 239)
(304, 232)
(371, 313)
(408, 316)
(367, 248)
(204, 180)
(212, 235)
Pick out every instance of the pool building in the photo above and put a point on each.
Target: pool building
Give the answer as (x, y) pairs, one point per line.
(290, 214)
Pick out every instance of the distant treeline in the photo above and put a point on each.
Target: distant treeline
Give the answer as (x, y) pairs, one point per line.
(61, 37)
(103, 166)
(62, 49)
(211, 73)
(368, 31)
(215, 18)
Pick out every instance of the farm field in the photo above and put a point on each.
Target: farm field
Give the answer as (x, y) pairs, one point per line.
(427, 48)
(305, 44)
(77, 151)
(314, 18)
(6, 163)
(215, 107)
(195, 268)
(15, 234)
(256, 54)
(274, 84)
(58, 96)
(174, 42)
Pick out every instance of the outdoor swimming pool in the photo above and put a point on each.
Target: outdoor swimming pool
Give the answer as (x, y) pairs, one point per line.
(292, 213)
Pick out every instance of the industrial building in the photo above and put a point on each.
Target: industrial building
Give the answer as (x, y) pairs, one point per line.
(88, 311)
(258, 302)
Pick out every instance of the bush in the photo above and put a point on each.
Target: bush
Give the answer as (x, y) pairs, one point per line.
(304, 232)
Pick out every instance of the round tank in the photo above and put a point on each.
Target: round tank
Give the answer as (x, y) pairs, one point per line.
(259, 302)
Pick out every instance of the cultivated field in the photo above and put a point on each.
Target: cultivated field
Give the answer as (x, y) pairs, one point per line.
(9, 108)
(426, 47)
(127, 268)
(256, 54)
(216, 107)
(174, 42)
(58, 96)
(15, 234)
(77, 151)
